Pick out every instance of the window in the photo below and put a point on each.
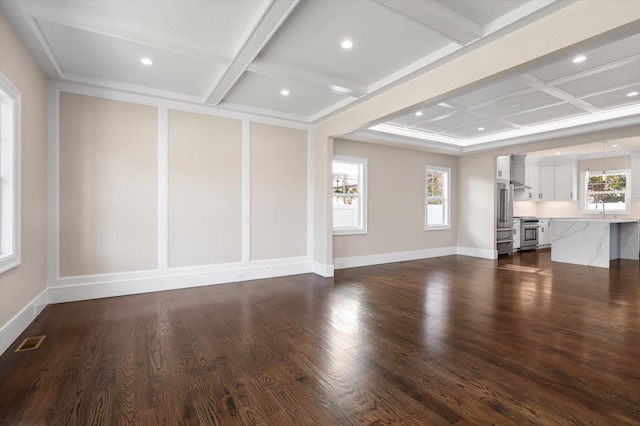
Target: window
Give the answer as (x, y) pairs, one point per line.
(9, 175)
(349, 195)
(606, 192)
(437, 198)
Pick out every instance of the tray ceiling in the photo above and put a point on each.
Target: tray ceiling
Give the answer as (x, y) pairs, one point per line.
(241, 56)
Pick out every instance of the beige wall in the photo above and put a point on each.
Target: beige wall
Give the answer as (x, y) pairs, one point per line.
(108, 186)
(476, 206)
(279, 158)
(205, 189)
(395, 201)
(20, 285)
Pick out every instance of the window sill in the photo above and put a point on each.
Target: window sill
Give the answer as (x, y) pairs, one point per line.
(437, 228)
(349, 232)
(8, 262)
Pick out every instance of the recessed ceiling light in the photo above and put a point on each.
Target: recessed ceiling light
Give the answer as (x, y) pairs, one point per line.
(419, 113)
(346, 44)
(614, 146)
(630, 94)
(579, 59)
(284, 92)
(146, 61)
(558, 153)
(481, 128)
(514, 105)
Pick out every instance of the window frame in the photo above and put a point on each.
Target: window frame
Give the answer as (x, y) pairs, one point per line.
(362, 195)
(446, 198)
(10, 175)
(603, 211)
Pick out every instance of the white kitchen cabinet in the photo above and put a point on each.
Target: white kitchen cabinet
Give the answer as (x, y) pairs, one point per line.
(547, 186)
(544, 235)
(566, 182)
(532, 179)
(635, 176)
(503, 167)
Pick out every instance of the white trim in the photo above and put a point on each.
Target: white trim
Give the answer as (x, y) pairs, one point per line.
(476, 252)
(310, 170)
(53, 182)
(112, 94)
(362, 194)
(446, 199)
(19, 323)
(323, 270)
(163, 188)
(627, 194)
(379, 259)
(99, 287)
(246, 191)
(13, 259)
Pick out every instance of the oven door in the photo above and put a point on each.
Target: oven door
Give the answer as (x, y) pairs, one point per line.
(529, 235)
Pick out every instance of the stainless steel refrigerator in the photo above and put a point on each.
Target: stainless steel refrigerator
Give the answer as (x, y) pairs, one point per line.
(504, 214)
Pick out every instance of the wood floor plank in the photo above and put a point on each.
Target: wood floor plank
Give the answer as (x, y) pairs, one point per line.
(450, 340)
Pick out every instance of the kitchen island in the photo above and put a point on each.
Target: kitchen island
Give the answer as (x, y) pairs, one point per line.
(594, 242)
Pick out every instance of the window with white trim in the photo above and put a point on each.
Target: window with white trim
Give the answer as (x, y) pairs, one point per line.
(349, 195)
(606, 192)
(9, 174)
(437, 205)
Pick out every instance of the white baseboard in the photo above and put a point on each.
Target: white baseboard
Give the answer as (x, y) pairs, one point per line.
(475, 252)
(16, 325)
(378, 259)
(323, 270)
(70, 290)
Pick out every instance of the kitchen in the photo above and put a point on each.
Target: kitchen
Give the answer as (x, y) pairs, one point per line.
(543, 200)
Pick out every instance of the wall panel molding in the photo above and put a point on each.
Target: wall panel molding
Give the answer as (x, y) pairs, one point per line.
(163, 277)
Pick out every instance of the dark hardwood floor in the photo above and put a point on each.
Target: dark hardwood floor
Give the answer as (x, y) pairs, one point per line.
(452, 340)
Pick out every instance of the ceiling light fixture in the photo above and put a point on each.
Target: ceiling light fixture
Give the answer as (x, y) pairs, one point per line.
(558, 153)
(346, 44)
(419, 113)
(614, 146)
(284, 92)
(579, 59)
(481, 128)
(630, 94)
(146, 61)
(514, 105)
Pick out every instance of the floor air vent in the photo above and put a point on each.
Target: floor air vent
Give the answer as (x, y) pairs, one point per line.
(30, 343)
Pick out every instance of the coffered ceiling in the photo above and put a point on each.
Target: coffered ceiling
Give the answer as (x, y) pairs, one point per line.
(242, 55)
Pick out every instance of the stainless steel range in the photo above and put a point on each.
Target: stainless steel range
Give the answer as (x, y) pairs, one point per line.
(529, 229)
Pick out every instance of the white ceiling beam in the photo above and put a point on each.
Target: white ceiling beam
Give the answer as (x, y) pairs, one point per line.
(522, 12)
(287, 71)
(437, 18)
(272, 17)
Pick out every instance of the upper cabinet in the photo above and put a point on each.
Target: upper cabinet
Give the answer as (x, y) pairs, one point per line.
(566, 182)
(545, 179)
(503, 167)
(548, 183)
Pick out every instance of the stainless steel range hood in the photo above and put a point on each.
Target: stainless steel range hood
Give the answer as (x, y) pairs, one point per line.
(519, 185)
(517, 172)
